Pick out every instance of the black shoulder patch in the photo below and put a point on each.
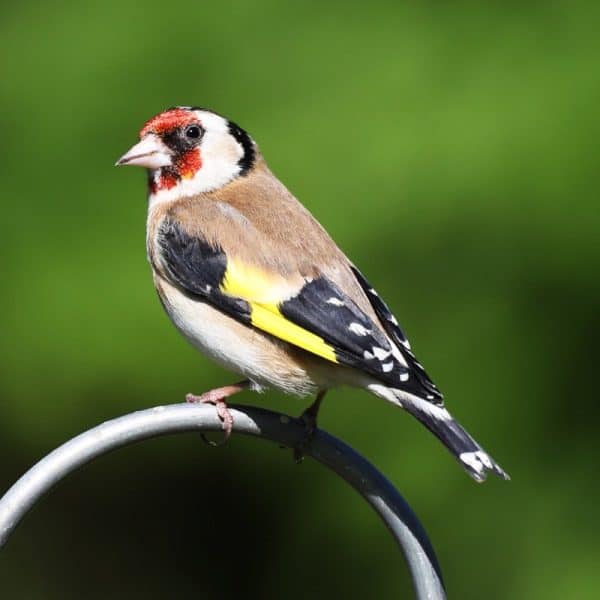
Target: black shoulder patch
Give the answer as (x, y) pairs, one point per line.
(194, 264)
(247, 144)
(429, 390)
(198, 268)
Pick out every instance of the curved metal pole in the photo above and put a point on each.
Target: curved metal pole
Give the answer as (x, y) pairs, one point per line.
(279, 428)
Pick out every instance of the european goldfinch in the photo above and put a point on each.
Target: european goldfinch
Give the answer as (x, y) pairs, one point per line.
(251, 279)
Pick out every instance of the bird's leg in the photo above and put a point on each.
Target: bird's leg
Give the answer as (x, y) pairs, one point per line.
(218, 397)
(309, 416)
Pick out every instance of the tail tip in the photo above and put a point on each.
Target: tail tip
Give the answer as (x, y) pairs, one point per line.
(478, 463)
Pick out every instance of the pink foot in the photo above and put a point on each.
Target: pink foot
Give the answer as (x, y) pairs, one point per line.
(218, 397)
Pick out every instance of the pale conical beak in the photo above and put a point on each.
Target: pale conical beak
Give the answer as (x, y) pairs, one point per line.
(150, 153)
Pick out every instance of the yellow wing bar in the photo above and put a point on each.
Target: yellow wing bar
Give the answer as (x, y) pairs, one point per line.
(264, 291)
(268, 318)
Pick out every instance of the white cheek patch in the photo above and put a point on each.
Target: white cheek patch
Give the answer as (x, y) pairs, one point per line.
(220, 155)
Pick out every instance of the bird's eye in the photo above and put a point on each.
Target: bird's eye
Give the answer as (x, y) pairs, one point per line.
(193, 132)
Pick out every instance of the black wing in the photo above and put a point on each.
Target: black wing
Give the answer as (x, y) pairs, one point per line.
(429, 390)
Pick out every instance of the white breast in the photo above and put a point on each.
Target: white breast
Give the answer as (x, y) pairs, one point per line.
(235, 346)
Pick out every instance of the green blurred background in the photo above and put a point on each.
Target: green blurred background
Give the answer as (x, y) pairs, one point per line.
(451, 149)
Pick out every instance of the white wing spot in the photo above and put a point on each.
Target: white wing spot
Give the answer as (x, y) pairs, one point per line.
(373, 292)
(387, 367)
(380, 353)
(358, 329)
(398, 356)
(368, 355)
(404, 376)
(336, 301)
(393, 320)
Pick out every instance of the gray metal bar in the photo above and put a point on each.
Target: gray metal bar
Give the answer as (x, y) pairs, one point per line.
(284, 430)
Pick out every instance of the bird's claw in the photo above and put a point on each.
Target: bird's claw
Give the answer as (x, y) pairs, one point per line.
(309, 417)
(216, 398)
(310, 426)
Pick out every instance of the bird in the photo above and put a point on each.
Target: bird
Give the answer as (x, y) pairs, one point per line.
(249, 276)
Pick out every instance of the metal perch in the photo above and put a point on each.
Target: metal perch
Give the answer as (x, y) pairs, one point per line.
(328, 450)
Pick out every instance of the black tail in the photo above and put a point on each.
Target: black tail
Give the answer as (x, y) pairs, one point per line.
(473, 458)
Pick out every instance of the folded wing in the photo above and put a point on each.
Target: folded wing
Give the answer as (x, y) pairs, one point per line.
(313, 314)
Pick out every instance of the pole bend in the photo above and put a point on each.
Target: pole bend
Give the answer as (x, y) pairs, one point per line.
(281, 429)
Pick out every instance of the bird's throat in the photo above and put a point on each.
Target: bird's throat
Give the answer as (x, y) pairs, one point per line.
(185, 167)
(162, 179)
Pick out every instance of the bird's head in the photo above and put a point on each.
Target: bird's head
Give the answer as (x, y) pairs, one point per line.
(190, 150)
